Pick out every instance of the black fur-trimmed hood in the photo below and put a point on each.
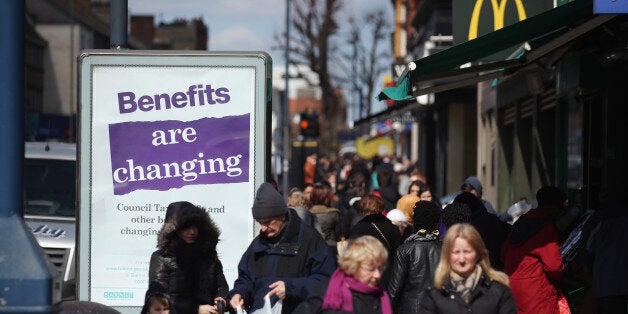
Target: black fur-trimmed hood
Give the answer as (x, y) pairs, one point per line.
(187, 214)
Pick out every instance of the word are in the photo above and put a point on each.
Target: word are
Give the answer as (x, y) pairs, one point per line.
(195, 95)
(160, 137)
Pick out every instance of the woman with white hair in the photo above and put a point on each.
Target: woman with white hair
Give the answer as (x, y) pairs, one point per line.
(398, 219)
(355, 286)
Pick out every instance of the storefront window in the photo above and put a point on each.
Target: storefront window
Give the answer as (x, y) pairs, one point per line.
(575, 144)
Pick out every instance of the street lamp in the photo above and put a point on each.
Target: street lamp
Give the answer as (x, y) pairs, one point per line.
(286, 122)
(29, 284)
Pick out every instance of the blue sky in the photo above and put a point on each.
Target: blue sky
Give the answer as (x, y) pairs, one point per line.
(241, 24)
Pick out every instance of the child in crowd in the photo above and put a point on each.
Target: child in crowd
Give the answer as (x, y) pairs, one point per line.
(157, 304)
(157, 300)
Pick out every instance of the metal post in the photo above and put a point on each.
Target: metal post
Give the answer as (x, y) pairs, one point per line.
(11, 119)
(118, 37)
(25, 279)
(286, 98)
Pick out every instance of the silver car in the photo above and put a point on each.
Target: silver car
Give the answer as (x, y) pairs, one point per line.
(50, 204)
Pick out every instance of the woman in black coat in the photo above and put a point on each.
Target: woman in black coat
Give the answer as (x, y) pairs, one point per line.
(378, 226)
(416, 260)
(464, 281)
(186, 263)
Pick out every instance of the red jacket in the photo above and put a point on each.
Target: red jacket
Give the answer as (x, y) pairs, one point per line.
(532, 259)
(309, 170)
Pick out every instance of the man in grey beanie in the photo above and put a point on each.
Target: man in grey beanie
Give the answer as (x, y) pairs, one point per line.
(286, 260)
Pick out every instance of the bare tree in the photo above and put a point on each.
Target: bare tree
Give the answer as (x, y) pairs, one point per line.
(315, 24)
(362, 63)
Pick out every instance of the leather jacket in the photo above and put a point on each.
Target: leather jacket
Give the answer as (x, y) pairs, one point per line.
(413, 270)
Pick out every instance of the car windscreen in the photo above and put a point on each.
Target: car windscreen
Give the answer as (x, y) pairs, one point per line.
(49, 187)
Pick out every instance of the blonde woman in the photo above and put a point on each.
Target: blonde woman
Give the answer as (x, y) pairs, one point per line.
(464, 280)
(355, 287)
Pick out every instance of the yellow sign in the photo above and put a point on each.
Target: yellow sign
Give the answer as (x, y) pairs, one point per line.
(499, 9)
(381, 146)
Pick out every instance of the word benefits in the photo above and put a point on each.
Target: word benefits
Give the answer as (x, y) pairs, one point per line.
(195, 95)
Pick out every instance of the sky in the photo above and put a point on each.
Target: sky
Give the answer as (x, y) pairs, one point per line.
(248, 25)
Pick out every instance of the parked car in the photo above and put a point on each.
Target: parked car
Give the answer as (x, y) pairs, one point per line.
(50, 204)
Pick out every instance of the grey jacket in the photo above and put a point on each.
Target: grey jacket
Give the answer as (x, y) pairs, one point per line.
(328, 219)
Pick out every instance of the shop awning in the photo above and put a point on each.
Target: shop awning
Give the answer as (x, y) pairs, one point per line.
(540, 35)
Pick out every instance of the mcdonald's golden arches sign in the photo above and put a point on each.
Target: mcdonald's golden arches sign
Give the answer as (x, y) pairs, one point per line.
(474, 18)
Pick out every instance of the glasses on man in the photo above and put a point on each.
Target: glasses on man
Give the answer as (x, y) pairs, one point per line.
(265, 222)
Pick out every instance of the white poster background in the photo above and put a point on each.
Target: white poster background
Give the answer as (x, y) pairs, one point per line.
(119, 262)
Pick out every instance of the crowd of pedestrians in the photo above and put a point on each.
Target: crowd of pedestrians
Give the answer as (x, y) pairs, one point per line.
(401, 252)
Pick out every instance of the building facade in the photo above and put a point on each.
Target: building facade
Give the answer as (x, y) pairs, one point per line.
(56, 32)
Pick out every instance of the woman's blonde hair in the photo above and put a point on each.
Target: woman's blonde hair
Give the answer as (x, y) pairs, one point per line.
(469, 233)
(360, 250)
(298, 199)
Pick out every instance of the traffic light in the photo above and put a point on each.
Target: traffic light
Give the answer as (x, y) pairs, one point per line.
(308, 124)
(388, 82)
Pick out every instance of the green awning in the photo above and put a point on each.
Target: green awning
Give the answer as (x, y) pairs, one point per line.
(445, 64)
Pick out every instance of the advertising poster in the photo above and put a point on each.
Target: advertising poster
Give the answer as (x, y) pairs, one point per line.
(157, 129)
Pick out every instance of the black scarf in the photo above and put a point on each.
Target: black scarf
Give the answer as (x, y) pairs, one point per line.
(189, 257)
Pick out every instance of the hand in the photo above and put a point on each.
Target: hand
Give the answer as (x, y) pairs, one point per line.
(236, 301)
(224, 303)
(278, 289)
(207, 309)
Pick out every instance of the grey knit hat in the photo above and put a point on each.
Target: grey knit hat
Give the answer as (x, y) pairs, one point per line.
(268, 202)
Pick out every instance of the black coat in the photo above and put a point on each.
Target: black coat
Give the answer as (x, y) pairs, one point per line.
(489, 297)
(189, 288)
(350, 217)
(387, 233)
(362, 303)
(166, 271)
(413, 271)
(494, 232)
(298, 256)
(390, 196)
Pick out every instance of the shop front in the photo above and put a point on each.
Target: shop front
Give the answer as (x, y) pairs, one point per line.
(549, 113)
